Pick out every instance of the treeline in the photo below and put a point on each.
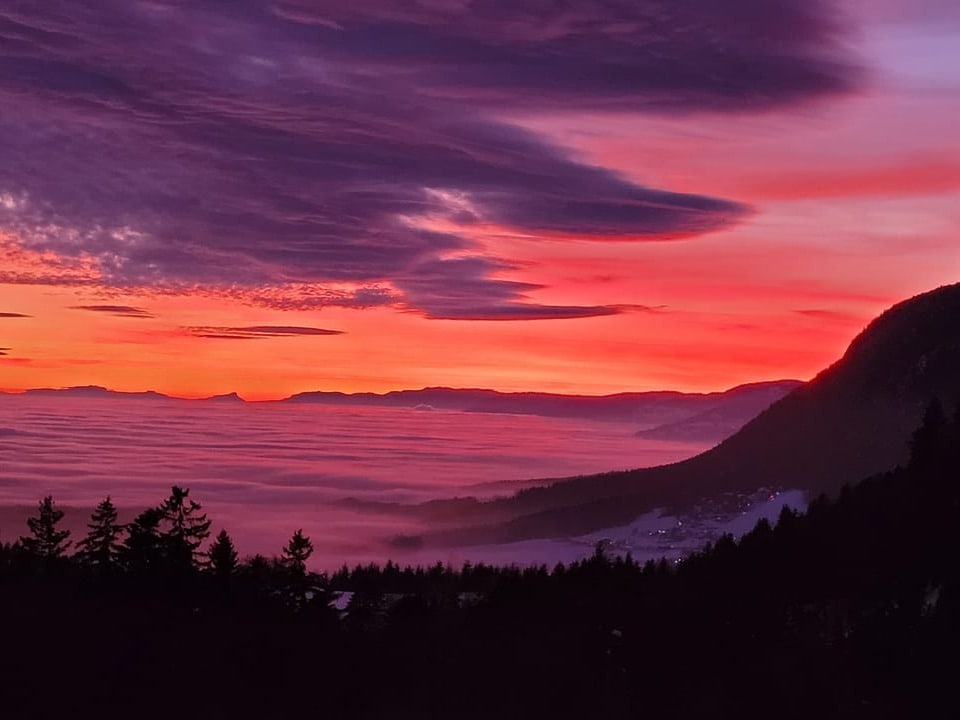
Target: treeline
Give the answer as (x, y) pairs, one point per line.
(163, 546)
(851, 610)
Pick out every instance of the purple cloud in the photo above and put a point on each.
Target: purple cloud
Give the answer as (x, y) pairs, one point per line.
(252, 145)
(12, 315)
(257, 332)
(115, 310)
(312, 297)
(462, 289)
(662, 55)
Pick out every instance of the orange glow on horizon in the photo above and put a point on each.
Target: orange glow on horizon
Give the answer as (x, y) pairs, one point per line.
(629, 352)
(853, 207)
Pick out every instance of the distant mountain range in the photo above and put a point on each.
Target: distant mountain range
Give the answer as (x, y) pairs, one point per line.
(646, 409)
(96, 392)
(664, 415)
(853, 420)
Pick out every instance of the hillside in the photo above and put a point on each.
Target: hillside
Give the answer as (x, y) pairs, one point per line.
(853, 420)
(721, 421)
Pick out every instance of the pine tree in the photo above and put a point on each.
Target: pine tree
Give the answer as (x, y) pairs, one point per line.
(223, 556)
(259, 577)
(301, 590)
(47, 542)
(142, 550)
(296, 554)
(927, 439)
(186, 529)
(601, 550)
(101, 547)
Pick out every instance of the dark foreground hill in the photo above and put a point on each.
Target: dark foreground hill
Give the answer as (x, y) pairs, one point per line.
(851, 610)
(854, 419)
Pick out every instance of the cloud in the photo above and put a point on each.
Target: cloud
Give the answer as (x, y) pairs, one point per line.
(664, 55)
(252, 145)
(830, 315)
(306, 296)
(520, 311)
(4, 351)
(12, 315)
(465, 289)
(257, 332)
(115, 310)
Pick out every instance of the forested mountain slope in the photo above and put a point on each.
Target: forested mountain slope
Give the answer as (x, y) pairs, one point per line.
(854, 419)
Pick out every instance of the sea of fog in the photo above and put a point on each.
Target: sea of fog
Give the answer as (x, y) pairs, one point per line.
(263, 470)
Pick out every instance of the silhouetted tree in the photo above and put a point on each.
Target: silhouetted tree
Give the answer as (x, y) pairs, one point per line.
(101, 547)
(142, 550)
(47, 541)
(223, 555)
(186, 529)
(602, 549)
(296, 553)
(294, 562)
(258, 577)
(926, 440)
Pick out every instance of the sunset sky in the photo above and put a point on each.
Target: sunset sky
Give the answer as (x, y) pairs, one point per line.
(590, 196)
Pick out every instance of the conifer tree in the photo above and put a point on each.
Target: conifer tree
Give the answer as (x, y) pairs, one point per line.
(259, 575)
(186, 529)
(101, 547)
(296, 553)
(47, 541)
(223, 555)
(926, 440)
(301, 590)
(142, 550)
(601, 550)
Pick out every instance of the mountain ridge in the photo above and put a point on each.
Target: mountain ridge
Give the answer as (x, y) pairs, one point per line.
(650, 408)
(853, 420)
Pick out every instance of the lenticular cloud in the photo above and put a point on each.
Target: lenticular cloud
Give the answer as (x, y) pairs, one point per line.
(252, 145)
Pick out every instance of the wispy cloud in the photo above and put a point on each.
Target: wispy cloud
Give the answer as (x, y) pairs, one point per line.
(127, 311)
(646, 55)
(257, 332)
(322, 143)
(830, 315)
(12, 315)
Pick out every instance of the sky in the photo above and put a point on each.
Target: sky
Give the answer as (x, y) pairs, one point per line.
(590, 197)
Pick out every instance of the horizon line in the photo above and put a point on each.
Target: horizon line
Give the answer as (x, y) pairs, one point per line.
(237, 396)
